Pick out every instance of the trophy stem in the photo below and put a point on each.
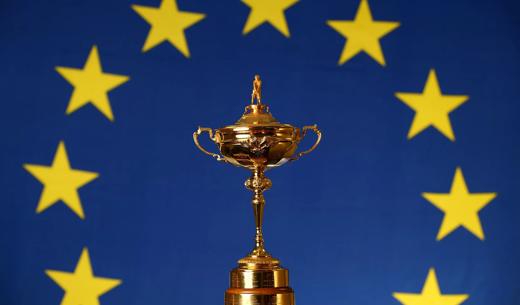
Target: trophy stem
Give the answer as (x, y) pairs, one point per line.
(259, 279)
(258, 183)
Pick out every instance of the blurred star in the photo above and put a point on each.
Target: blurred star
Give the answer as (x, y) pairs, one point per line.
(460, 207)
(61, 182)
(91, 85)
(362, 34)
(431, 107)
(167, 23)
(81, 286)
(272, 11)
(430, 294)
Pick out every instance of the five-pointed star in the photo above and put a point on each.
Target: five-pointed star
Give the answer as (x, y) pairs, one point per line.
(61, 182)
(431, 107)
(460, 207)
(271, 11)
(430, 294)
(82, 287)
(91, 85)
(167, 23)
(362, 34)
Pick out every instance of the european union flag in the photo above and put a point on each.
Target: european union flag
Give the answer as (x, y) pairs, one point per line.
(411, 198)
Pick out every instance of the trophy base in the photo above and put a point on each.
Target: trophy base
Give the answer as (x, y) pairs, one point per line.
(259, 283)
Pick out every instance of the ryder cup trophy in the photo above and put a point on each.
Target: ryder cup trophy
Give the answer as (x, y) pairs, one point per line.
(258, 142)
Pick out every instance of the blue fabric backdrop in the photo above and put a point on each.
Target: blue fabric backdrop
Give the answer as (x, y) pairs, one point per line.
(348, 220)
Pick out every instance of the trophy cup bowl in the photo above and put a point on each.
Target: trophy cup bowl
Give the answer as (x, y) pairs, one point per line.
(258, 142)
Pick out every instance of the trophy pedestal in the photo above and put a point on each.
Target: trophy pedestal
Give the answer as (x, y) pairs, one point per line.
(259, 284)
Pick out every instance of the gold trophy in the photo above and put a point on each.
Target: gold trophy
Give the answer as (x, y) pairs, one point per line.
(258, 142)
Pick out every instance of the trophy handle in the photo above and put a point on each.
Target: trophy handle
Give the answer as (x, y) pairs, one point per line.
(212, 138)
(304, 132)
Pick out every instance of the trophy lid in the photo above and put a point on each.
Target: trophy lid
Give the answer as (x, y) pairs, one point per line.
(257, 123)
(257, 114)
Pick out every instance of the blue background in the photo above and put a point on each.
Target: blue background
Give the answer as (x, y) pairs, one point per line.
(348, 220)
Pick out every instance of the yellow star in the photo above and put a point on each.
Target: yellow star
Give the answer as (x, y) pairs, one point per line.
(271, 11)
(60, 182)
(167, 23)
(460, 207)
(82, 287)
(431, 107)
(430, 294)
(362, 34)
(91, 85)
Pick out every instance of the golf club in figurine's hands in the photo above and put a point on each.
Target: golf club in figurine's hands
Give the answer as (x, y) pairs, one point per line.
(257, 141)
